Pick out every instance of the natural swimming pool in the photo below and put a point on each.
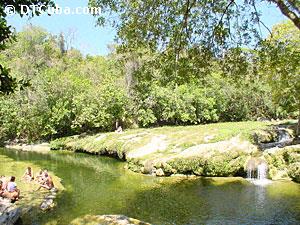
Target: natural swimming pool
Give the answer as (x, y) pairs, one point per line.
(101, 185)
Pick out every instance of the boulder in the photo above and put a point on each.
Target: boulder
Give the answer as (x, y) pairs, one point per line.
(9, 213)
(284, 162)
(107, 220)
(294, 171)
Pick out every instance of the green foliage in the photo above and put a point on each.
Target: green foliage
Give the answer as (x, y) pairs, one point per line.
(180, 105)
(279, 57)
(177, 25)
(279, 62)
(71, 94)
(8, 83)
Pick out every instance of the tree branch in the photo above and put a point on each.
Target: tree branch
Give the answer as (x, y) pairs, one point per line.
(287, 12)
(259, 20)
(295, 4)
(221, 19)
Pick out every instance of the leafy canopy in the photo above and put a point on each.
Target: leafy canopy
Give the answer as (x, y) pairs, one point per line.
(180, 24)
(279, 58)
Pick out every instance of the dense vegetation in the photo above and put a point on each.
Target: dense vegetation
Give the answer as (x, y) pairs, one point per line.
(70, 93)
(8, 83)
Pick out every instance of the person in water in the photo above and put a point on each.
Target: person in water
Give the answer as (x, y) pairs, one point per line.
(28, 175)
(13, 192)
(48, 183)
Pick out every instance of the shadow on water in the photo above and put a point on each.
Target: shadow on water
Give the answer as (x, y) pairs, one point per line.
(100, 185)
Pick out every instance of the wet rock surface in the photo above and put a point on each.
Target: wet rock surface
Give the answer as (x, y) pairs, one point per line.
(107, 220)
(9, 212)
(274, 137)
(48, 202)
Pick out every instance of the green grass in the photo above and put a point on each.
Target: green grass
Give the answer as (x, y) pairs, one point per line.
(176, 137)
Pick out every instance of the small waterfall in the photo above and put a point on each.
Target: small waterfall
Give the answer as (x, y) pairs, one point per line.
(283, 136)
(257, 171)
(251, 165)
(250, 173)
(283, 139)
(262, 171)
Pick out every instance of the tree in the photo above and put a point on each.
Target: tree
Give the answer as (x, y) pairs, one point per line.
(173, 28)
(180, 24)
(279, 58)
(8, 83)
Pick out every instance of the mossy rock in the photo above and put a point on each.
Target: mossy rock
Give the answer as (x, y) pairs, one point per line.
(135, 167)
(291, 155)
(278, 174)
(277, 160)
(265, 136)
(167, 168)
(186, 165)
(223, 165)
(58, 144)
(284, 163)
(294, 171)
(107, 220)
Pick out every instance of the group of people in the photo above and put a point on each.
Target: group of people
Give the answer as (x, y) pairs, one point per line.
(43, 179)
(8, 187)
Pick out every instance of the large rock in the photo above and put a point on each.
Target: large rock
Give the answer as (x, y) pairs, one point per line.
(107, 220)
(265, 136)
(284, 163)
(224, 158)
(9, 213)
(294, 171)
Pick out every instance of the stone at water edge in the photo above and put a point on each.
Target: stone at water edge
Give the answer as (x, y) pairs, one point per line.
(48, 202)
(107, 220)
(9, 213)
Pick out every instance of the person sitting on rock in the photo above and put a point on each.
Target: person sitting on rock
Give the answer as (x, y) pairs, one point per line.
(13, 192)
(28, 175)
(48, 183)
(40, 178)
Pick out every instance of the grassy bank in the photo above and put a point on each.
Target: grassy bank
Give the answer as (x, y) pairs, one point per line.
(220, 149)
(171, 138)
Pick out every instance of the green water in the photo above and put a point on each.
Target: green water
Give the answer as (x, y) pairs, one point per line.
(100, 185)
